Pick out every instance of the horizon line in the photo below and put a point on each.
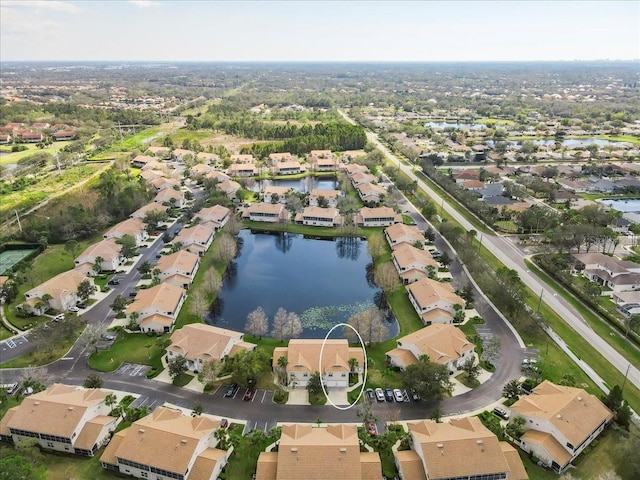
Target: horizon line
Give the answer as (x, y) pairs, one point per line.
(578, 60)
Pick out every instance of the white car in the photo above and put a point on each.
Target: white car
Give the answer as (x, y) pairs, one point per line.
(398, 395)
(74, 309)
(59, 317)
(379, 394)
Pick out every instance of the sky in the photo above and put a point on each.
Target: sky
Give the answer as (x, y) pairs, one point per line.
(348, 30)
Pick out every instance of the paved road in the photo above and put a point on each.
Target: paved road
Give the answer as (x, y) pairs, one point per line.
(513, 258)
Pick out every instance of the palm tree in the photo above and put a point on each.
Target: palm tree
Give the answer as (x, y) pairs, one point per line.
(353, 363)
(282, 364)
(97, 265)
(110, 399)
(46, 298)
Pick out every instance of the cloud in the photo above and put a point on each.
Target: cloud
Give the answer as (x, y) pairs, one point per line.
(144, 3)
(59, 6)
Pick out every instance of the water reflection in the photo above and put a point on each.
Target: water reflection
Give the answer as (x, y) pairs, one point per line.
(324, 281)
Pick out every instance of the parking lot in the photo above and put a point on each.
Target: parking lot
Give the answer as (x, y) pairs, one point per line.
(13, 343)
(146, 401)
(132, 370)
(261, 396)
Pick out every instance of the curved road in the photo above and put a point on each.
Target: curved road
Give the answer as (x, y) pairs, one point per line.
(504, 250)
(73, 368)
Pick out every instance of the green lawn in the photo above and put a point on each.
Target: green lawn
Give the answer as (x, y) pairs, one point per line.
(138, 348)
(13, 157)
(182, 379)
(244, 459)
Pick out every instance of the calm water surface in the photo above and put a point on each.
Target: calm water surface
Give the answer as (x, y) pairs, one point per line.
(323, 281)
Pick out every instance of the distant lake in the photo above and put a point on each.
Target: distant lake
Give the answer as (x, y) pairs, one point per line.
(302, 185)
(463, 126)
(623, 205)
(323, 281)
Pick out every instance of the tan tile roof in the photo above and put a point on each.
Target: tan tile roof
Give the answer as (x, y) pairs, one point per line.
(164, 296)
(131, 226)
(198, 340)
(4, 421)
(405, 356)
(197, 233)
(559, 454)
(242, 158)
(427, 291)
(88, 436)
(168, 193)
(181, 260)
(574, 412)
(321, 192)
(321, 212)
(321, 153)
(441, 342)
(280, 156)
(406, 254)
(271, 189)
(143, 159)
(109, 455)
(436, 315)
(399, 230)
(354, 168)
(62, 284)
(163, 182)
(304, 355)
(216, 175)
(371, 189)
(262, 207)
(108, 249)
(411, 465)
(56, 410)
(377, 212)
(322, 453)
(370, 465)
(157, 318)
(216, 213)
(165, 439)
(205, 464)
(200, 169)
(459, 448)
(516, 467)
(267, 466)
(149, 207)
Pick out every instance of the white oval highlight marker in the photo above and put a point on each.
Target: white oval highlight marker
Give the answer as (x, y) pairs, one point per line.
(364, 381)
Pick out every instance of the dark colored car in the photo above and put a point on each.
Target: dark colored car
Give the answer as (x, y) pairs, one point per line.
(248, 396)
(133, 294)
(388, 394)
(81, 305)
(371, 395)
(231, 390)
(114, 281)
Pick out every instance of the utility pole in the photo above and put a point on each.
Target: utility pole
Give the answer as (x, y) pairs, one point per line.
(540, 300)
(625, 379)
(18, 219)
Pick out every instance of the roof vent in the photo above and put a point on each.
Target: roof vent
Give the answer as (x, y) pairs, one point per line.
(70, 408)
(36, 403)
(141, 430)
(579, 399)
(439, 445)
(184, 441)
(558, 416)
(343, 450)
(294, 449)
(479, 442)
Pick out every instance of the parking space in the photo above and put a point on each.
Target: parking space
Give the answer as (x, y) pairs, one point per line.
(146, 401)
(132, 370)
(13, 343)
(261, 396)
(260, 425)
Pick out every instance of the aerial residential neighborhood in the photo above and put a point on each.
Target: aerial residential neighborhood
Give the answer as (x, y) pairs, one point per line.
(285, 241)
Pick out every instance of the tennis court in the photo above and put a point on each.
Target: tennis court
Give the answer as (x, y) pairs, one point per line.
(9, 258)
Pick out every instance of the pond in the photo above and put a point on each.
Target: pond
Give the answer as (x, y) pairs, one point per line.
(323, 281)
(568, 142)
(623, 205)
(463, 126)
(303, 185)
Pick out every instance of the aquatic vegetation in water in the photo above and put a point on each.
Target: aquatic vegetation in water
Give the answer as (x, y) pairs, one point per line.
(323, 318)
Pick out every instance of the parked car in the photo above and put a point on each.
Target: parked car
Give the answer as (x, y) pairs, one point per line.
(397, 395)
(114, 281)
(250, 393)
(388, 394)
(27, 391)
(224, 423)
(501, 412)
(10, 387)
(231, 390)
(371, 428)
(58, 317)
(414, 395)
(371, 395)
(379, 395)
(74, 309)
(81, 305)
(133, 294)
